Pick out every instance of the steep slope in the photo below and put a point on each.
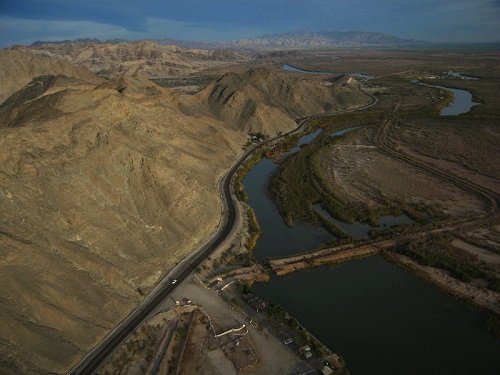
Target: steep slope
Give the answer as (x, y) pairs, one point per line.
(142, 58)
(22, 106)
(105, 185)
(267, 101)
(19, 68)
(101, 193)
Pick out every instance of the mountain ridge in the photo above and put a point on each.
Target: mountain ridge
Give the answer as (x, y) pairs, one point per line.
(323, 39)
(108, 183)
(293, 39)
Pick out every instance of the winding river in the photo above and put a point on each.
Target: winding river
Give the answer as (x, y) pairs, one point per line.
(380, 318)
(462, 100)
(294, 69)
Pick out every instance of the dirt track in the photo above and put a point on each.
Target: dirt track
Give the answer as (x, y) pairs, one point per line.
(333, 255)
(341, 253)
(386, 146)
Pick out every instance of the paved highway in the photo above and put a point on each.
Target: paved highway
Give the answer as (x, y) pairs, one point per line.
(91, 362)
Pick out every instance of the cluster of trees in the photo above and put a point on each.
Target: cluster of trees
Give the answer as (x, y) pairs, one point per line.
(300, 183)
(437, 251)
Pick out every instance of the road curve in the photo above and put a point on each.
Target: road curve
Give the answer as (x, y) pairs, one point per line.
(91, 362)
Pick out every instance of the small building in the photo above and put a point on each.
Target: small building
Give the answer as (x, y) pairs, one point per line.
(326, 370)
(256, 302)
(334, 360)
(304, 349)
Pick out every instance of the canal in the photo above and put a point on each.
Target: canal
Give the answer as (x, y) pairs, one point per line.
(380, 318)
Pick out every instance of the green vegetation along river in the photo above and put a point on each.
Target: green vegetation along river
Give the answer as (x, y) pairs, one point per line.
(382, 319)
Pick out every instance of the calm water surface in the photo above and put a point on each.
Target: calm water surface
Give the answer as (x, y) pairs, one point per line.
(361, 231)
(382, 319)
(461, 103)
(461, 76)
(276, 238)
(294, 69)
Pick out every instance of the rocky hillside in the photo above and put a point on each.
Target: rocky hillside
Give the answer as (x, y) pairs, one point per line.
(19, 68)
(103, 189)
(268, 101)
(106, 184)
(142, 58)
(312, 40)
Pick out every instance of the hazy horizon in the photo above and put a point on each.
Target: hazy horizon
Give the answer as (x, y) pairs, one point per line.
(445, 21)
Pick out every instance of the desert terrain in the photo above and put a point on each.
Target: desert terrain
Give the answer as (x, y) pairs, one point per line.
(111, 159)
(107, 183)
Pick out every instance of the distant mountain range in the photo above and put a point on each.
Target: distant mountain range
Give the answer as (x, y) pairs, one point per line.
(311, 40)
(166, 41)
(292, 40)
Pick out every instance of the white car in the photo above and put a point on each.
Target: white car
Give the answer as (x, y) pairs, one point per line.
(174, 281)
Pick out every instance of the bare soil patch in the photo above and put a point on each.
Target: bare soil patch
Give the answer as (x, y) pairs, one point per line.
(359, 172)
(482, 254)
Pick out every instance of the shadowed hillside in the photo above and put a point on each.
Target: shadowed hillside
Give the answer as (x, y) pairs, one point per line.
(143, 58)
(106, 185)
(19, 68)
(267, 101)
(103, 190)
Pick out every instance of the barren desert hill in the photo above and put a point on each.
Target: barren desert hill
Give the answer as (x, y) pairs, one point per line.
(146, 58)
(37, 98)
(106, 184)
(101, 193)
(268, 101)
(17, 68)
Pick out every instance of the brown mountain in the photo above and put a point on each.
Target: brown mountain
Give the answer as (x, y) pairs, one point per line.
(105, 185)
(324, 39)
(102, 190)
(19, 68)
(144, 58)
(268, 101)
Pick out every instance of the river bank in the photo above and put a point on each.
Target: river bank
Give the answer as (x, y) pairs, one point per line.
(318, 300)
(385, 320)
(478, 297)
(314, 299)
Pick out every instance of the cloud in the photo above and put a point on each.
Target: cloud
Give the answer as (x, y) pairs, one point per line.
(432, 20)
(25, 31)
(24, 21)
(462, 21)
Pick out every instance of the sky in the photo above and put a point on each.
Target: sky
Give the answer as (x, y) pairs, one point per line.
(25, 21)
